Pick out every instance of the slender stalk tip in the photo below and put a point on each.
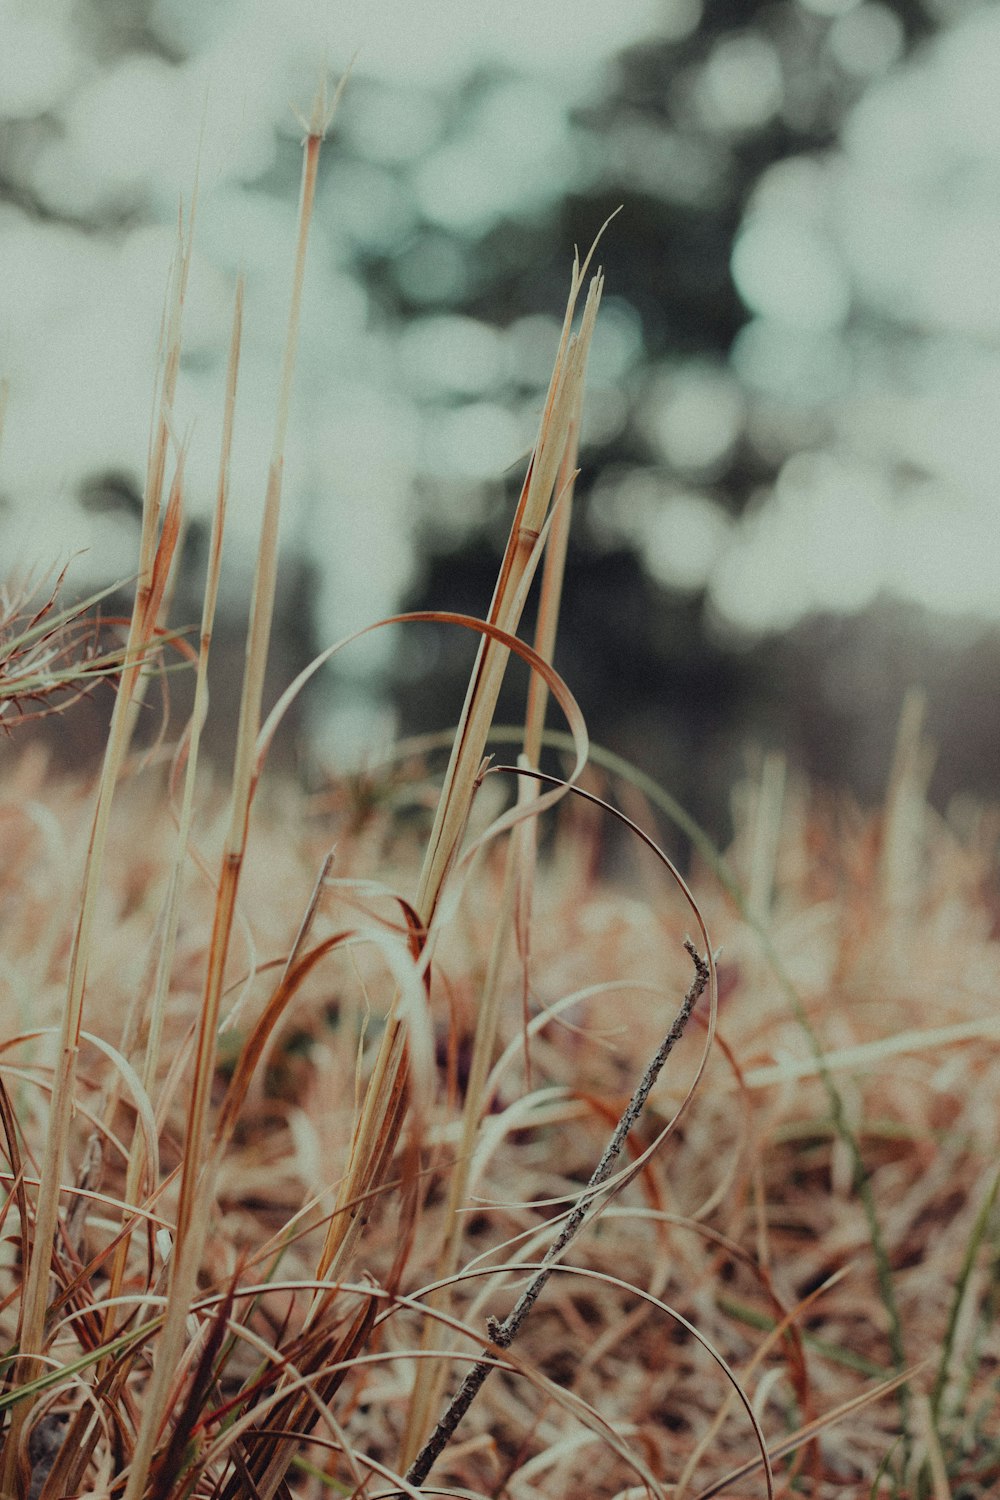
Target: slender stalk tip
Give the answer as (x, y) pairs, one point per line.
(323, 107)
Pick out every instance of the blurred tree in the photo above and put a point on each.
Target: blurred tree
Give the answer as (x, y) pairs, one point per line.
(681, 137)
(453, 206)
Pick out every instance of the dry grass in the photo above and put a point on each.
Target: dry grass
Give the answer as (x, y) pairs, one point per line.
(739, 1217)
(289, 1136)
(50, 657)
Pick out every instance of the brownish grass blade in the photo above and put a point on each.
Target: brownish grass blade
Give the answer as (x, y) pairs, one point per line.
(137, 1159)
(385, 1097)
(289, 1424)
(169, 1469)
(809, 1431)
(17, 1193)
(197, 1186)
(514, 904)
(63, 1097)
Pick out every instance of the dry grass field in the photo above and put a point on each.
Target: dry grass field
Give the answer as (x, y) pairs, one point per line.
(378, 1143)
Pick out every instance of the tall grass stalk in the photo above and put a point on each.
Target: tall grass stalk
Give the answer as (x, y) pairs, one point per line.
(514, 904)
(197, 1185)
(161, 437)
(384, 1103)
(137, 1163)
(157, 546)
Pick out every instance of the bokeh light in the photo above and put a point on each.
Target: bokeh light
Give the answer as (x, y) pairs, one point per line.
(794, 383)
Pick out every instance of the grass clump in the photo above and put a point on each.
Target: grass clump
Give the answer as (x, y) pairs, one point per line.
(301, 1113)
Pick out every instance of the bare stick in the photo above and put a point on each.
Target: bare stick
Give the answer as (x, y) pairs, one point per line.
(502, 1335)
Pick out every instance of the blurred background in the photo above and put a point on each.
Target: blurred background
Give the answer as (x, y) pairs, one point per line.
(787, 512)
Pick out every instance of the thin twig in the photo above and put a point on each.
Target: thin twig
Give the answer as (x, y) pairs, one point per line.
(502, 1335)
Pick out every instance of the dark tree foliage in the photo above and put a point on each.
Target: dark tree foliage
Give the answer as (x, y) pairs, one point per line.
(658, 681)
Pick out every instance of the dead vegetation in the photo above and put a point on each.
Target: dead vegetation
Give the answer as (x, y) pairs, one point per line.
(299, 1096)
